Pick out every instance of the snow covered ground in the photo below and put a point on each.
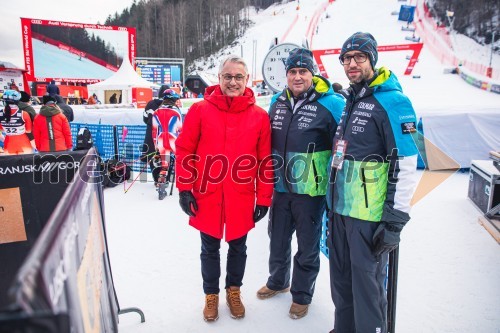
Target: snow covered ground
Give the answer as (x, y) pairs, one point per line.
(449, 273)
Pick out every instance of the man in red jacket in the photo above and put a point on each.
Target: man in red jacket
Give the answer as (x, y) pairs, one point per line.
(224, 176)
(51, 128)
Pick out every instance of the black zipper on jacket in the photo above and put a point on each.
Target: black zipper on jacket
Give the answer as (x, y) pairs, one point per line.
(315, 175)
(363, 178)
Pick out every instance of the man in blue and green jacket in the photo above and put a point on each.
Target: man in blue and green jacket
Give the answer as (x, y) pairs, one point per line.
(374, 164)
(304, 119)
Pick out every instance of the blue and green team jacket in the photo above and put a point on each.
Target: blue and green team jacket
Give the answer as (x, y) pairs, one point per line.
(378, 177)
(301, 137)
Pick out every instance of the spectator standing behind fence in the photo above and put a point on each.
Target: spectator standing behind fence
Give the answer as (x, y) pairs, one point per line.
(304, 118)
(113, 99)
(25, 105)
(374, 161)
(16, 124)
(65, 108)
(93, 100)
(51, 128)
(220, 135)
(52, 89)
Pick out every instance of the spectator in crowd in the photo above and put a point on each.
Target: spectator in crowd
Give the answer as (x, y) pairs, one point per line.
(304, 118)
(52, 89)
(229, 126)
(65, 108)
(185, 92)
(16, 124)
(148, 147)
(51, 129)
(374, 165)
(25, 105)
(13, 86)
(337, 87)
(113, 99)
(93, 100)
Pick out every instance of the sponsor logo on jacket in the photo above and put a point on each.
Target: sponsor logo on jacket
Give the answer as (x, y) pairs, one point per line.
(408, 127)
(366, 106)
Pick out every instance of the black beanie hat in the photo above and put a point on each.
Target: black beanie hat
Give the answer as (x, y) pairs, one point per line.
(300, 58)
(25, 97)
(47, 99)
(364, 42)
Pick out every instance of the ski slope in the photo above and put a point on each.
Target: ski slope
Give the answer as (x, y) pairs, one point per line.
(449, 269)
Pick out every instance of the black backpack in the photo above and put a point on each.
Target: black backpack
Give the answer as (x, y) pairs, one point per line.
(84, 139)
(115, 172)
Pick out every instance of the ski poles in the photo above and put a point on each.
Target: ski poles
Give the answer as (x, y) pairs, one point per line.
(392, 289)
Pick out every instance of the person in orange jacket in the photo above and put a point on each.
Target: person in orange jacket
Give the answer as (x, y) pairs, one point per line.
(17, 125)
(51, 128)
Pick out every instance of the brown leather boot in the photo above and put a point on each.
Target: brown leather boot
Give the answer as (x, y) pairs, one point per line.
(265, 292)
(233, 299)
(298, 311)
(211, 310)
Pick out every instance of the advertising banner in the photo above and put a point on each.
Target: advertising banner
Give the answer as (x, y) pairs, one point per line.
(31, 186)
(68, 269)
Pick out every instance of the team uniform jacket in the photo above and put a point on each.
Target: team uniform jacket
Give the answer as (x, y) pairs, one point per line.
(378, 122)
(302, 138)
(59, 130)
(226, 130)
(16, 130)
(166, 124)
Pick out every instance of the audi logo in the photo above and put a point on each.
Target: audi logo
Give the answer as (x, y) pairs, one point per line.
(358, 129)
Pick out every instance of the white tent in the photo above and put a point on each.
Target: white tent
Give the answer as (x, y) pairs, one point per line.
(122, 83)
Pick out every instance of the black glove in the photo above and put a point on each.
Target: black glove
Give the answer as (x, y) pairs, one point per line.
(186, 199)
(386, 238)
(259, 213)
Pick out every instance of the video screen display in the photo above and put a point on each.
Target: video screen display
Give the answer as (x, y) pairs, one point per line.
(74, 52)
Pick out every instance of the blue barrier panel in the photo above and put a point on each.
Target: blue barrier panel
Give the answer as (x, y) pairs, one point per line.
(130, 139)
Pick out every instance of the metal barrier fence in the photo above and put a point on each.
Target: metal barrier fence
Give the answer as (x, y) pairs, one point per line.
(129, 142)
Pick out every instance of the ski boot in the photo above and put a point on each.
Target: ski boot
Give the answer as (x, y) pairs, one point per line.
(162, 185)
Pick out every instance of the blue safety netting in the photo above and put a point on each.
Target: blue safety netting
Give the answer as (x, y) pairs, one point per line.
(129, 142)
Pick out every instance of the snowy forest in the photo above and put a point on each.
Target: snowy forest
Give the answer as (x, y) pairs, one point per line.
(476, 19)
(186, 28)
(192, 29)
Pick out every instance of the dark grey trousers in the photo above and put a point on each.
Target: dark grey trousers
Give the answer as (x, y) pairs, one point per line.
(357, 277)
(302, 214)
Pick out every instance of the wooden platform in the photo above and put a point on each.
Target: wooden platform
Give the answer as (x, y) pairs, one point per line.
(492, 226)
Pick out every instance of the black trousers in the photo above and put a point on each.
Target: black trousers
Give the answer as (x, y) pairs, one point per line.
(210, 263)
(356, 276)
(291, 213)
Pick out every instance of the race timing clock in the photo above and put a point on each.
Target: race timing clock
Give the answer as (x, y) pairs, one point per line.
(273, 67)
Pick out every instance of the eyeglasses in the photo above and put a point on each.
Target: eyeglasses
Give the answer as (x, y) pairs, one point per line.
(229, 78)
(358, 58)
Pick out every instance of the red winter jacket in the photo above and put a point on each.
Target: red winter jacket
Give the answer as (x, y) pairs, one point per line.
(218, 157)
(60, 129)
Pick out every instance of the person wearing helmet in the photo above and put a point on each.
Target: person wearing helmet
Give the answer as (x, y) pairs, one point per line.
(166, 124)
(16, 124)
(148, 147)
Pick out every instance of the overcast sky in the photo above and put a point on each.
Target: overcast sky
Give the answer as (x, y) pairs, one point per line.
(92, 11)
